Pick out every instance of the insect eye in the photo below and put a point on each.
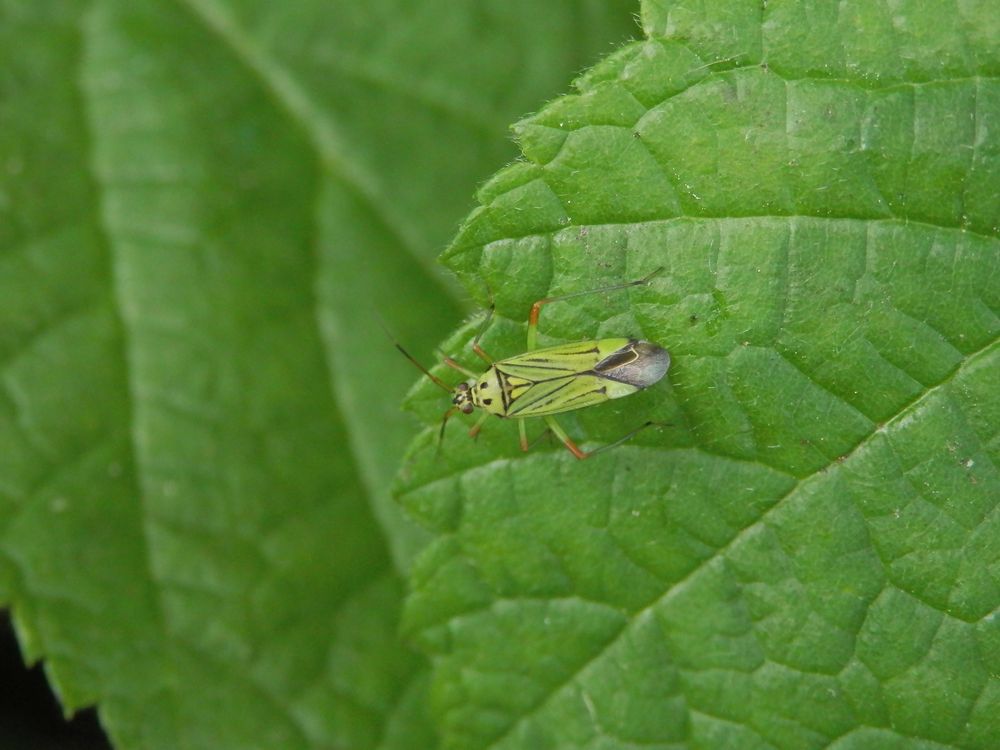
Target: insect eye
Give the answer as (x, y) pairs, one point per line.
(467, 407)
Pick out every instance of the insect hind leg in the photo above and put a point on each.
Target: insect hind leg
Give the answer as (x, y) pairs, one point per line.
(582, 454)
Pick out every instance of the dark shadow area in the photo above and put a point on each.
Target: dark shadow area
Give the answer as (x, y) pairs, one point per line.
(30, 715)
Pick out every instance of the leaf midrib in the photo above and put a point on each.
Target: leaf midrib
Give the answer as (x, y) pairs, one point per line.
(104, 236)
(322, 133)
(325, 138)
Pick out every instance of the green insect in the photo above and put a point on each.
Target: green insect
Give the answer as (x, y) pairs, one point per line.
(544, 382)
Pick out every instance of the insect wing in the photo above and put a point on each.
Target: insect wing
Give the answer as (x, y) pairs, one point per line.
(537, 399)
(554, 361)
(639, 364)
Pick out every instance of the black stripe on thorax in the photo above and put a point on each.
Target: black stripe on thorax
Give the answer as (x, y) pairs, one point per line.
(504, 388)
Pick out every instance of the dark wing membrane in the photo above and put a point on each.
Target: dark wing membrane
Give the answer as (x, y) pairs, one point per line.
(638, 364)
(621, 358)
(531, 399)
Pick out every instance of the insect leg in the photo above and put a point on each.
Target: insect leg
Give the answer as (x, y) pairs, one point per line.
(545, 433)
(456, 366)
(623, 439)
(537, 307)
(444, 423)
(475, 342)
(524, 434)
(581, 454)
(567, 440)
(474, 431)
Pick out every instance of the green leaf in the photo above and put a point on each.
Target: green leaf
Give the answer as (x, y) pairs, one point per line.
(203, 207)
(804, 554)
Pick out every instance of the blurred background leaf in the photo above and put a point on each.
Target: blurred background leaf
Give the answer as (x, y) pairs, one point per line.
(205, 205)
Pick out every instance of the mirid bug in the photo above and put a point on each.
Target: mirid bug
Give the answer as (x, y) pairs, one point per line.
(545, 382)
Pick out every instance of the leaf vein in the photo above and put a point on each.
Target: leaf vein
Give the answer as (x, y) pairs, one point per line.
(686, 581)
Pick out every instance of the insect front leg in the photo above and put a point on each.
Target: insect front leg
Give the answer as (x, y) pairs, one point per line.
(444, 423)
(474, 431)
(536, 308)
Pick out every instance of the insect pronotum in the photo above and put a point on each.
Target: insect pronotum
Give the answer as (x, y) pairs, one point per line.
(545, 382)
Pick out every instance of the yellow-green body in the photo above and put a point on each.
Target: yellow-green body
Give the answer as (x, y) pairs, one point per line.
(562, 378)
(545, 382)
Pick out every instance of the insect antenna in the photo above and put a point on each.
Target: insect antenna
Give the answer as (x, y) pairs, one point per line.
(434, 378)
